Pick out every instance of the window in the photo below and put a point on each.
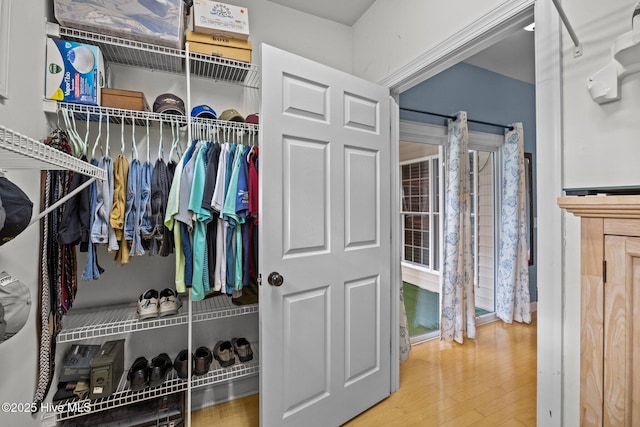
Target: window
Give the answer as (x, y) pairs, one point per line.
(420, 212)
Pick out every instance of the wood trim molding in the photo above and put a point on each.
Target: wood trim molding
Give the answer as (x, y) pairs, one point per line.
(601, 206)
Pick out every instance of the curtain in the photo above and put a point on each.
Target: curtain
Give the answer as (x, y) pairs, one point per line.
(457, 314)
(405, 339)
(512, 287)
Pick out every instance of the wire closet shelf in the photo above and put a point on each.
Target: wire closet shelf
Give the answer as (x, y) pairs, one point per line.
(90, 323)
(141, 118)
(173, 384)
(21, 152)
(160, 58)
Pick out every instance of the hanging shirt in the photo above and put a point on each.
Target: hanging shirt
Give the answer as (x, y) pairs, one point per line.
(169, 222)
(212, 226)
(235, 211)
(202, 216)
(133, 208)
(217, 203)
(117, 218)
(184, 216)
(146, 215)
(252, 231)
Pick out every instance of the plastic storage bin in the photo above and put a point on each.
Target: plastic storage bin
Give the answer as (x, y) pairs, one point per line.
(159, 22)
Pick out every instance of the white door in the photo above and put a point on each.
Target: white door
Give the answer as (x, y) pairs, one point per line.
(325, 228)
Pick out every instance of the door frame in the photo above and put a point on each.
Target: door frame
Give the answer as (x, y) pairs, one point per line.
(481, 34)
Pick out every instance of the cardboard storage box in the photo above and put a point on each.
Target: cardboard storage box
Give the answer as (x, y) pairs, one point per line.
(224, 47)
(212, 17)
(125, 99)
(150, 21)
(75, 72)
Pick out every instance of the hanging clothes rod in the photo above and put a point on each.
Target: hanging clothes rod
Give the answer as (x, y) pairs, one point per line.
(454, 117)
(574, 37)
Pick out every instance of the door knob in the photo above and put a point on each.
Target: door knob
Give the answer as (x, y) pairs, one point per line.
(275, 279)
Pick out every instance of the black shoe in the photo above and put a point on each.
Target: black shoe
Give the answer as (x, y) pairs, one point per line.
(202, 361)
(160, 366)
(223, 352)
(139, 374)
(181, 364)
(242, 348)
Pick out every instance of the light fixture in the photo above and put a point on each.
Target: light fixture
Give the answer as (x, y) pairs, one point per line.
(530, 27)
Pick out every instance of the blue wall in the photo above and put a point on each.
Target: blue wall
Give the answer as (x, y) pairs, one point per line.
(485, 96)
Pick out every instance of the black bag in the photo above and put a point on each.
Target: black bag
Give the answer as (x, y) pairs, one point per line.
(17, 209)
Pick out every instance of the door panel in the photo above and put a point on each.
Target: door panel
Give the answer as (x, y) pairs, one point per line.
(304, 98)
(362, 195)
(306, 214)
(306, 350)
(622, 332)
(362, 328)
(325, 227)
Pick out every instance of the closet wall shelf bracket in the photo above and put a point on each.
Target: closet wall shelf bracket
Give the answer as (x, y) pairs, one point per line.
(604, 86)
(21, 152)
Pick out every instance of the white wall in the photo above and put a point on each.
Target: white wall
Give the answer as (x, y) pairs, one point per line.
(22, 112)
(600, 141)
(600, 148)
(315, 38)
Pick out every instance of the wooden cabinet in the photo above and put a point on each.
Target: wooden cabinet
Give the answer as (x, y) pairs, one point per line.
(610, 308)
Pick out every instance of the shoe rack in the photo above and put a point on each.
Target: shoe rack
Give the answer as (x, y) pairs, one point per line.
(101, 322)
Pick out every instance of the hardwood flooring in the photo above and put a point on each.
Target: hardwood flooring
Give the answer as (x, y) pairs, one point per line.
(490, 381)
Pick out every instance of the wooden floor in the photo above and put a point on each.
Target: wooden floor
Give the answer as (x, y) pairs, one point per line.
(489, 382)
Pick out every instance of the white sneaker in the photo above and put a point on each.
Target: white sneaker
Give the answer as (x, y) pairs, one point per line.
(148, 304)
(170, 303)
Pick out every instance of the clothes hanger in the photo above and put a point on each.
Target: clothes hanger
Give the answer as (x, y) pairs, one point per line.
(250, 152)
(173, 140)
(107, 150)
(86, 137)
(79, 142)
(148, 155)
(73, 136)
(95, 145)
(134, 147)
(241, 135)
(160, 145)
(122, 136)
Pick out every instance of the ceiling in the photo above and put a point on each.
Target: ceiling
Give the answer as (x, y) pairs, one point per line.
(345, 12)
(512, 57)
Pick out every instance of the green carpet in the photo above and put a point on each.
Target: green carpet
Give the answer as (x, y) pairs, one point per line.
(423, 311)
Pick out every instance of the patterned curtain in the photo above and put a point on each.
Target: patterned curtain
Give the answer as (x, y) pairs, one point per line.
(405, 339)
(512, 287)
(457, 314)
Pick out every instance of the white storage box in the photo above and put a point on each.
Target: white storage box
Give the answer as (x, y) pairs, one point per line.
(212, 17)
(75, 72)
(159, 22)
